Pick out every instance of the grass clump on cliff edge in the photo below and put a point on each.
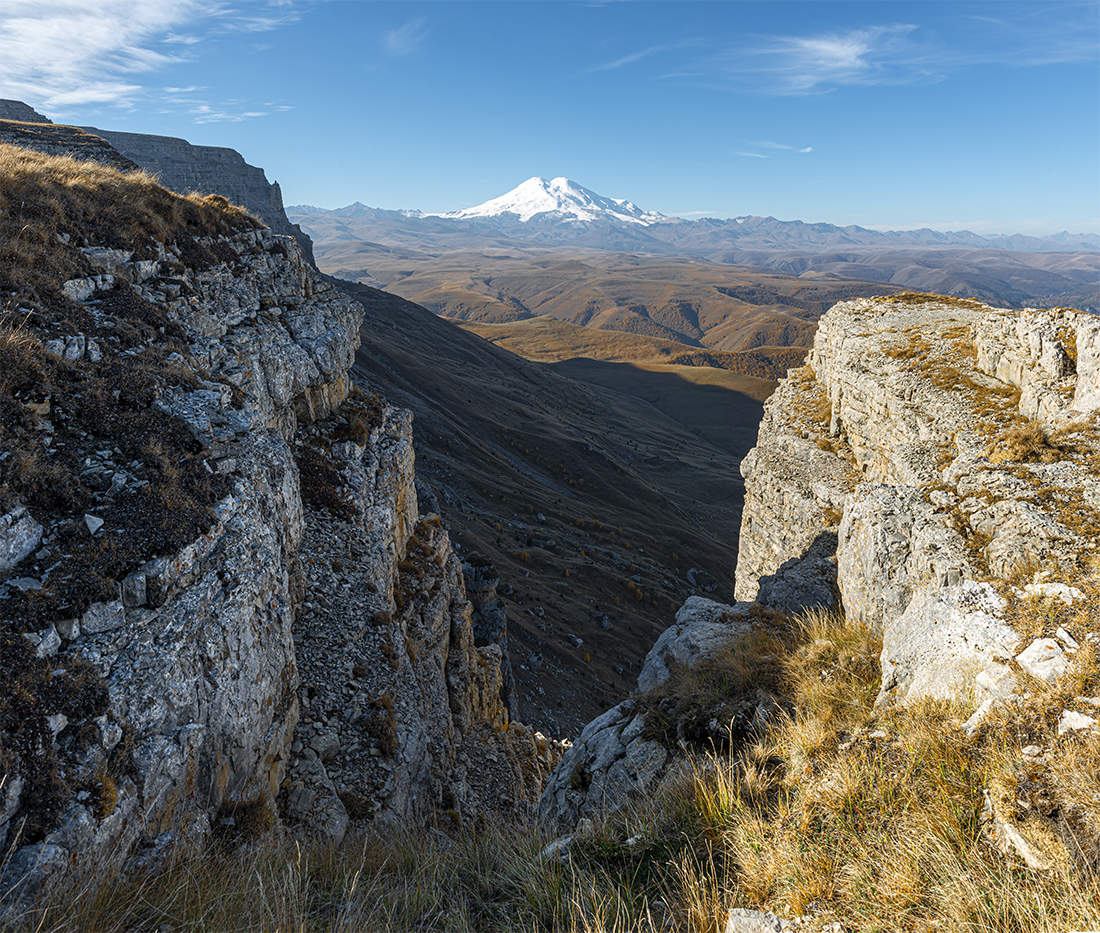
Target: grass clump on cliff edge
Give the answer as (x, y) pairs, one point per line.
(45, 200)
(836, 811)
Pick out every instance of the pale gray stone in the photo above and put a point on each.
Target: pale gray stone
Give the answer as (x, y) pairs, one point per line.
(20, 534)
(742, 920)
(103, 617)
(943, 640)
(703, 628)
(1072, 721)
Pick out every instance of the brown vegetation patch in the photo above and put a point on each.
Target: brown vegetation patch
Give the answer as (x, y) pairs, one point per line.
(46, 199)
(911, 298)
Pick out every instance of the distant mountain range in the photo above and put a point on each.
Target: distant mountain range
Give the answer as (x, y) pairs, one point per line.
(386, 247)
(562, 212)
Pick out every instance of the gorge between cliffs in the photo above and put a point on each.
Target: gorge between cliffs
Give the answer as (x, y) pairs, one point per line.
(250, 681)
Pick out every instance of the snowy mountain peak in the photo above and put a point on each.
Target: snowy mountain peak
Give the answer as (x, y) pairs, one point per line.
(562, 198)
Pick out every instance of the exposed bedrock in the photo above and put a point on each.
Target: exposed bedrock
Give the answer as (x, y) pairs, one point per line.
(932, 458)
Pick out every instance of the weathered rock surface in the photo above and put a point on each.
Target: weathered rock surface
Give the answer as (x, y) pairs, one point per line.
(615, 758)
(347, 606)
(17, 110)
(950, 442)
(930, 451)
(796, 480)
(402, 714)
(196, 654)
(33, 131)
(703, 628)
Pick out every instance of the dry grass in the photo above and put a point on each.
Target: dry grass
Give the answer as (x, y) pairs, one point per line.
(45, 197)
(911, 298)
(1028, 442)
(837, 811)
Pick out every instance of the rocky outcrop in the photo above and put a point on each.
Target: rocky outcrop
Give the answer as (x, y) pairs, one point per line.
(618, 756)
(17, 110)
(961, 444)
(184, 167)
(60, 140)
(311, 650)
(195, 652)
(932, 457)
(402, 714)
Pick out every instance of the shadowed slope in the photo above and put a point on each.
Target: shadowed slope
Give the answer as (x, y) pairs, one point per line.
(599, 490)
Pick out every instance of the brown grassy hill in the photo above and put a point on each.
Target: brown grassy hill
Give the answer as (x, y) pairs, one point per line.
(547, 339)
(701, 304)
(599, 490)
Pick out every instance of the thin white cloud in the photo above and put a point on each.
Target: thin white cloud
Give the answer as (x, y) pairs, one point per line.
(769, 144)
(227, 113)
(406, 38)
(630, 59)
(1026, 35)
(641, 54)
(808, 64)
(751, 155)
(59, 54)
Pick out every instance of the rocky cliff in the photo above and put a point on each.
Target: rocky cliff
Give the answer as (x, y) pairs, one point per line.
(17, 110)
(59, 140)
(934, 473)
(181, 166)
(178, 164)
(219, 601)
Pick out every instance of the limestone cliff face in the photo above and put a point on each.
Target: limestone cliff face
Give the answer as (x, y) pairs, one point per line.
(932, 458)
(183, 167)
(58, 140)
(954, 448)
(17, 110)
(312, 649)
(401, 714)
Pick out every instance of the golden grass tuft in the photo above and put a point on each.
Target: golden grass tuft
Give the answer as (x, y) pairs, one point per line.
(1028, 442)
(45, 199)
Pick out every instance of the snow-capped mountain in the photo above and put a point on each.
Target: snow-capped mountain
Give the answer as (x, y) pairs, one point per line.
(562, 199)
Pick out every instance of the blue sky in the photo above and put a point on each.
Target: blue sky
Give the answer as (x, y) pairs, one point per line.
(951, 115)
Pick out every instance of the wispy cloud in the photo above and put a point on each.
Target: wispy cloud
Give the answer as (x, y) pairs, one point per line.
(640, 54)
(769, 144)
(406, 38)
(809, 64)
(751, 155)
(630, 58)
(1026, 35)
(60, 54)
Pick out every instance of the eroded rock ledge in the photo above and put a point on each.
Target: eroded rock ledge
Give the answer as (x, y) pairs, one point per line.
(935, 465)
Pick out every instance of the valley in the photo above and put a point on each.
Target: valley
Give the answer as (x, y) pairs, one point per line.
(604, 492)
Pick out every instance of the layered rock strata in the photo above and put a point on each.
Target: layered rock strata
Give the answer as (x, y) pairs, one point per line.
(933, 457)
(957, 450)
(318, 653)
(402, 715)
(182, 166)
